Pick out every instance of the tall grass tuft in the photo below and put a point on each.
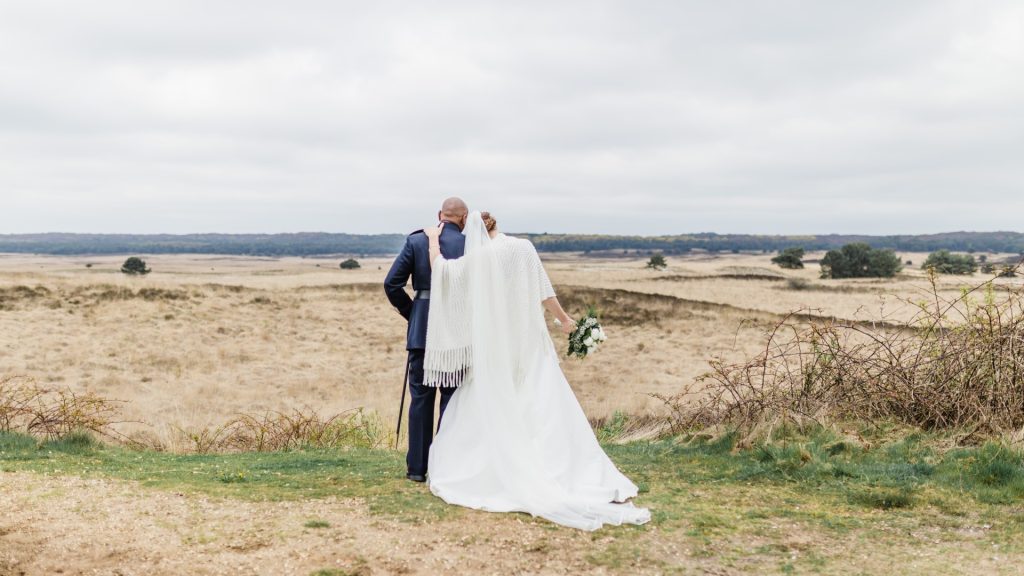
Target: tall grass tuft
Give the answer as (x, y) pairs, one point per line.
(295, 430)
(78, 442)
(67, 420)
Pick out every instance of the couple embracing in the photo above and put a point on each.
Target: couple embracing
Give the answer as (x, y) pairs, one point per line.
(513, 436)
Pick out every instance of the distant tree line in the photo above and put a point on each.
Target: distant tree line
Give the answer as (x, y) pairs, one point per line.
(860, 260)
(956, 241)
(299, 244)
(320, 243)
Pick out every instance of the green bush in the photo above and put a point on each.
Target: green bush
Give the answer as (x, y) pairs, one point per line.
(350, 264)
(657, 262)
(860, 260)
(945, 262)
(791, 258)
(135, 266)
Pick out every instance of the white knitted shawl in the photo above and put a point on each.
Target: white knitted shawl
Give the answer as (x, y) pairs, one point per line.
(494, 292)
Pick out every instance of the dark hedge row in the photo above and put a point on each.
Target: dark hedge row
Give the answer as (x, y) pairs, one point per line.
(317, 243)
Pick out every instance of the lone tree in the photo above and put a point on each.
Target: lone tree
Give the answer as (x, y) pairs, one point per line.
(791, 258)
(657, 262)
(945, 262)
(135, 266)
(860, 260)
(350, 264)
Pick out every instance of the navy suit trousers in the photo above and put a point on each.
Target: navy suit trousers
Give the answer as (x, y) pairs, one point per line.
(421, 414)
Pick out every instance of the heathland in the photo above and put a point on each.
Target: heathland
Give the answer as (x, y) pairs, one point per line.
(186, 349)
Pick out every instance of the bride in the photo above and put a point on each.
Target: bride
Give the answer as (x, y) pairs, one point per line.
(514, 437)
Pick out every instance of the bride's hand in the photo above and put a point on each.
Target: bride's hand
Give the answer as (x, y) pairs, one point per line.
(433, 232)
(567, 324)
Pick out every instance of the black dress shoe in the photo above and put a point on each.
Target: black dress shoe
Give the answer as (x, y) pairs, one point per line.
(416, 477)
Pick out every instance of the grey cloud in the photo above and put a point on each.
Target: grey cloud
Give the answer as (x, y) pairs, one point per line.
(619, 117)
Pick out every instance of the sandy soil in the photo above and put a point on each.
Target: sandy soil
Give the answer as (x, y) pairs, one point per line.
(68, 525)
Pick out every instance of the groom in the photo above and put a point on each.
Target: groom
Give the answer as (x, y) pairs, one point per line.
(414, 260)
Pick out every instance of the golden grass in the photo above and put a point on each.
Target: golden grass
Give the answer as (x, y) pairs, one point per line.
(204, 338)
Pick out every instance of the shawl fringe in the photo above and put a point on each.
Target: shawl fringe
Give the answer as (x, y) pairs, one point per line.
(447, 368)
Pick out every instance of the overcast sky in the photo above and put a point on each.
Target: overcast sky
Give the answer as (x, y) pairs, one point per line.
(636, 117)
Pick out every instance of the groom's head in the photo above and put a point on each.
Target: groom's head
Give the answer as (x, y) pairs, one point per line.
(454, 210)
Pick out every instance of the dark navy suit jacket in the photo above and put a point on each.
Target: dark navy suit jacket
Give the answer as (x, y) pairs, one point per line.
(414, 261)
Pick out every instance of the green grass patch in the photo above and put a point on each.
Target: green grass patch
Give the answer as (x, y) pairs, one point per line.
(882, 498)
(80, 443)
(375, 475)
(16, 444)
(718, 501)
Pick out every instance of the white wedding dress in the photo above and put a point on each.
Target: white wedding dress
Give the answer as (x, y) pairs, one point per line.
(513, 437)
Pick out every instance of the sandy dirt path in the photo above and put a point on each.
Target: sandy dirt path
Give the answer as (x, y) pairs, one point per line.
(71, 525)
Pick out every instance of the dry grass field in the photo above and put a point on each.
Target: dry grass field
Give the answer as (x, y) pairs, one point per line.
(202, 338)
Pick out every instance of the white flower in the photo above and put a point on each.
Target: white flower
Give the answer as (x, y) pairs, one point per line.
(598, 334)
(591, 321)
(589, 342)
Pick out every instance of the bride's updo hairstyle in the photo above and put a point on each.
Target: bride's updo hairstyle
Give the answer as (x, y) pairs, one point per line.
(489, 221)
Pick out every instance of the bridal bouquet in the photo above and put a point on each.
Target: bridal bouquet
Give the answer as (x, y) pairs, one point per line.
(588, 334)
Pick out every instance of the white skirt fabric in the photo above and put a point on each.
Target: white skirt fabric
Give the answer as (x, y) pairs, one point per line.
(528, 450)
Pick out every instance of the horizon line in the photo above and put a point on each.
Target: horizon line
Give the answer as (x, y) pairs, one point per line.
(706, 232)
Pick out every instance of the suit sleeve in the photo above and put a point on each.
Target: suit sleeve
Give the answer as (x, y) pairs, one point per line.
(397, 278)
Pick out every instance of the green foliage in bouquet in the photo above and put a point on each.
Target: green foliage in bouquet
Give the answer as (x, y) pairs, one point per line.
(587, 336)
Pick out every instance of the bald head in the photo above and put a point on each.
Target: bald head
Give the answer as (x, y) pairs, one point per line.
(454, 210)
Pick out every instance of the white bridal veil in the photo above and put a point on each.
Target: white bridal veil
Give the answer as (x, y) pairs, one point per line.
(514, 438)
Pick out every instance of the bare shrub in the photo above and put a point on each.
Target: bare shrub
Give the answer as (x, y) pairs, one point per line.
(957, 365)
(53, 413)
(18, 395)
(204, 440)
(63, 411)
